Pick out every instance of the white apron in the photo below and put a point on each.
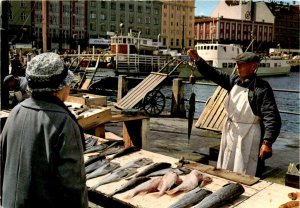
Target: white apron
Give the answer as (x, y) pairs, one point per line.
(241, 133)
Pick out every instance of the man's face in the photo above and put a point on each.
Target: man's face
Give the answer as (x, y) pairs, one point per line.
(12, 84)
(246, 69)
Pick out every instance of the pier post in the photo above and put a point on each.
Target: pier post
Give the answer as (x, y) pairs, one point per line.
(178, 108)
(122, 87)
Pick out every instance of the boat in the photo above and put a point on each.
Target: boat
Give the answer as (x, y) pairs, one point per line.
(222, 57)
(295, 63)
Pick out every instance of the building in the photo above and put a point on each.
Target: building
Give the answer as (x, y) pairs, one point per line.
(240, 21)
(117, 17)
(177, 29)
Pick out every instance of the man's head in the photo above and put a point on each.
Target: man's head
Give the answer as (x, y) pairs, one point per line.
(46, 73)
(10, 81)
(247, 64)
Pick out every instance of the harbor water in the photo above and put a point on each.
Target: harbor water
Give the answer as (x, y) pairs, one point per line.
(288, 102)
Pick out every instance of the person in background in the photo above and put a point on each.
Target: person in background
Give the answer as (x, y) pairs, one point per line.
(17, 68)
(19, 86)
(42, 143)
(253, 120)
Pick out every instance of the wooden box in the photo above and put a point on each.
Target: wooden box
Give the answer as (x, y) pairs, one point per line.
(88, 99)
(94, 117)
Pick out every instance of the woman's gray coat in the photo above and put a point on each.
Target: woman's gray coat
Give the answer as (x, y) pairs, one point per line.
(42, 158)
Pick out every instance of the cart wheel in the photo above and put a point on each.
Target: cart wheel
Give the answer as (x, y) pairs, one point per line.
(154, 102)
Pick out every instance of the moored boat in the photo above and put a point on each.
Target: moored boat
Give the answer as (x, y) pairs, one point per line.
(222, 57)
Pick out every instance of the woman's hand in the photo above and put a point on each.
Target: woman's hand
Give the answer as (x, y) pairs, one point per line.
(193, 54)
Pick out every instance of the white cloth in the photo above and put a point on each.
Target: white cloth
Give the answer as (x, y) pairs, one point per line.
(241, 133)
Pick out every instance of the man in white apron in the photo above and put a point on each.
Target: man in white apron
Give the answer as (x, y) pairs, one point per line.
(253, 120)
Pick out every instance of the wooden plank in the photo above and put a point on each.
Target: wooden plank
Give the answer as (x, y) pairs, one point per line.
(88, 99)
(227, 174)
(85, 85)
(271, 196)
(94, 117)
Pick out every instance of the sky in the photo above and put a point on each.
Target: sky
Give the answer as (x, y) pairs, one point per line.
(206, 7)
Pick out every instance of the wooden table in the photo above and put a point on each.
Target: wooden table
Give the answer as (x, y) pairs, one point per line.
(262, 194)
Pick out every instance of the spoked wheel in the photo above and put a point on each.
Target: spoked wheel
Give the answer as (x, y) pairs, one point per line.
(154, 102)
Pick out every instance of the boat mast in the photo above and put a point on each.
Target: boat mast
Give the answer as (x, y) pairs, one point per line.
(44, 24)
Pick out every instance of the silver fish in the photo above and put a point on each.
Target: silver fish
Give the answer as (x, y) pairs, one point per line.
(152, 168)
(220, 197)
(115, 176)
(162, 172)
(137, 163)
(130, 184)
(106, 168)
(191, 198)
(95, 165)
(148, 187)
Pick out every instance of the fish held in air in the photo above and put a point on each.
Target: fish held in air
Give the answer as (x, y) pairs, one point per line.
(130, 184)
(146, 187)
(220, 197)
(152, 168)
(191, 113)
(191, 198)
(115, 176)
(106, 168)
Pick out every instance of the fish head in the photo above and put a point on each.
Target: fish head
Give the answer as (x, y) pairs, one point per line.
(206, 180)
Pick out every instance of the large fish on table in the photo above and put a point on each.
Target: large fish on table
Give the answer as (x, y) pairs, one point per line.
(125, 151)
(104, 153)
(115, 176)
(179, 171)
(220, 197)
(191, 181)
(137, 163)
(130, 184)
(146, 187)
(152, 168)
(95, 165)
(106, 168)
(169, 180)
(191, 198)
(101, 147)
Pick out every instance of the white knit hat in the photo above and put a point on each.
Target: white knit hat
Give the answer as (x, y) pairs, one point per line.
(46, 72)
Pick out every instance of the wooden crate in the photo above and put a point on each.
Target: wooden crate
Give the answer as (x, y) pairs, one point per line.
(88, 99)
(93, 117)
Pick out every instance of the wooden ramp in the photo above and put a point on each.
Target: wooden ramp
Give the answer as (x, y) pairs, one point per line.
(134, 96)
(213, 114)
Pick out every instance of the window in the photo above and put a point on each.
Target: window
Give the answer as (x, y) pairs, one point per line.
(148, 10)
(147, 31)
(139, 9)
(122, 6)
(92, 3)
(224, 65)
(147, 20)
(156, 11)
(131, 7)
(172, 42)
(23, 16)
(113, 5)
(113, 17)
(23, 3)
(103, 4)
(177, 42)
(92, 15)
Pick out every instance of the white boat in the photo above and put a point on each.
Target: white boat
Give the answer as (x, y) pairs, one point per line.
(222, 57)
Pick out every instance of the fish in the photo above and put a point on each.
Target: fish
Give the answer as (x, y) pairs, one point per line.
(290, 204)
(90, 142)
(137, 163)
(125, 151)
(191, 198)
(130, 184)
(190, 182)
(179, 171)
(147, 187)
(102, 147)
(191, 113)
(294, 195)
(220, 197)
(152, 168)
(95, 165)
(115, 176)
(106, 168)
(167, 182)
(93, 159)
